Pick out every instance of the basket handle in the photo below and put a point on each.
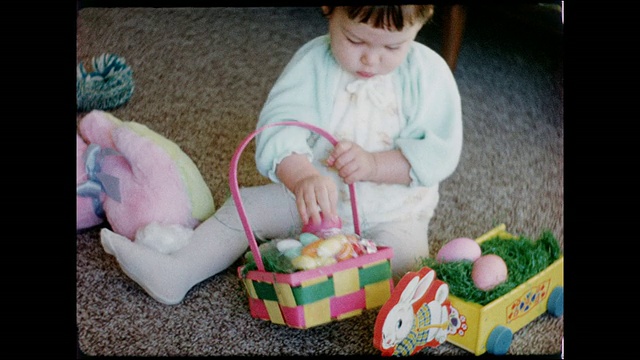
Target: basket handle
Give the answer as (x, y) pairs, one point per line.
(235, 190)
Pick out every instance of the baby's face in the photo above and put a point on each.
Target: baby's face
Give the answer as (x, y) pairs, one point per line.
(366, 51)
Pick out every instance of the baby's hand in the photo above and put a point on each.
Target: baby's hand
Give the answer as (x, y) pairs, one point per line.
(352, 162)
(315, 194)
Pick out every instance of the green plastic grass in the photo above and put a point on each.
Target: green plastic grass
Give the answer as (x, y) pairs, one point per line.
(272, 259)
(524, 258)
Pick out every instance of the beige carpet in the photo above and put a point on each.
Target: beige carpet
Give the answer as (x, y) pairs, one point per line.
(202, 75)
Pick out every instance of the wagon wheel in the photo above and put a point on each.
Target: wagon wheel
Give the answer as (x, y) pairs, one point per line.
(499, 340)
(555, 304)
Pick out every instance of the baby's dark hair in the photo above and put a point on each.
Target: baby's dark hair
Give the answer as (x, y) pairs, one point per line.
(387, 17)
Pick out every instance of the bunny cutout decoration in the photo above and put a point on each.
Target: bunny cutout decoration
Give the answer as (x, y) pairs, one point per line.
(415, 316)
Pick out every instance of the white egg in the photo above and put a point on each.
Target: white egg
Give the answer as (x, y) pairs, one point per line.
(287, 244)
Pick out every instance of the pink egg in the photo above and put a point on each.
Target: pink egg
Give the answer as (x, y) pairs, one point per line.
(459, 249)
(489, 271)
(326, 227)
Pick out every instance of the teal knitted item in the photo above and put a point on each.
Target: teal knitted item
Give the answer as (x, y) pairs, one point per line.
(108, 86)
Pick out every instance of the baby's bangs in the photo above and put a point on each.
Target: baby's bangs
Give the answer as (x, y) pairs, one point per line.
(390, 17)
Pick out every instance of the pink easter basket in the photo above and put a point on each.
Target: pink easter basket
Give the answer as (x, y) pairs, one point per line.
(309, 298)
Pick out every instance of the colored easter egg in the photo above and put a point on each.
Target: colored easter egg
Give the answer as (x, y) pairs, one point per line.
(326, 227)
(289, 247)
(286, 244)
(459, 249)
(304, 262)
(307, 238)
(489, 271)
(331, 246)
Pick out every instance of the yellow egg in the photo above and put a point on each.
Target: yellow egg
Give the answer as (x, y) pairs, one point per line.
(489, 271)
(304, 262)
(331, 246)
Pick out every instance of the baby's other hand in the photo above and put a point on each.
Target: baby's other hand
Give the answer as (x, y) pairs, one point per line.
(352, 162)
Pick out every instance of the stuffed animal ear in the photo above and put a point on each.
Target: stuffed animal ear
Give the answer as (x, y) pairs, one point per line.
(158, 183)
(97, 128)
(200, 197)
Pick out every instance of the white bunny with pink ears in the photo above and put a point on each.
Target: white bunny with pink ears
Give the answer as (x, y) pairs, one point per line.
(415, 316)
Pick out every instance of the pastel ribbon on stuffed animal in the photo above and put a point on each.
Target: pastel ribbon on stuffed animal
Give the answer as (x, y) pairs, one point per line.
(98, 182)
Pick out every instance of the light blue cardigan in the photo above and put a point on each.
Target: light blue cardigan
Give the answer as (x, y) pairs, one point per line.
(431, 139)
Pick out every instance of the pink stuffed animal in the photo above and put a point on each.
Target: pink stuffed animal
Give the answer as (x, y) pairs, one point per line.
(131, 177)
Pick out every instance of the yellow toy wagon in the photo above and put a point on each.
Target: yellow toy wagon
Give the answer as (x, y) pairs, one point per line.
(490, 328)
(423, 312)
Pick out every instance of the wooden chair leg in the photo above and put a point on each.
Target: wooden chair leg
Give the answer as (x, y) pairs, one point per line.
(454, 17)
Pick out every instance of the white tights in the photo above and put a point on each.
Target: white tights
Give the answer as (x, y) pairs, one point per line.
(220, 240)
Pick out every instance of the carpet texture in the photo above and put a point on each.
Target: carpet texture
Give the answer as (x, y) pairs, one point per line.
(202, 75)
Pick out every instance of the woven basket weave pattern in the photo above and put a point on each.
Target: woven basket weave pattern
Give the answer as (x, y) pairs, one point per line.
(318, 296)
